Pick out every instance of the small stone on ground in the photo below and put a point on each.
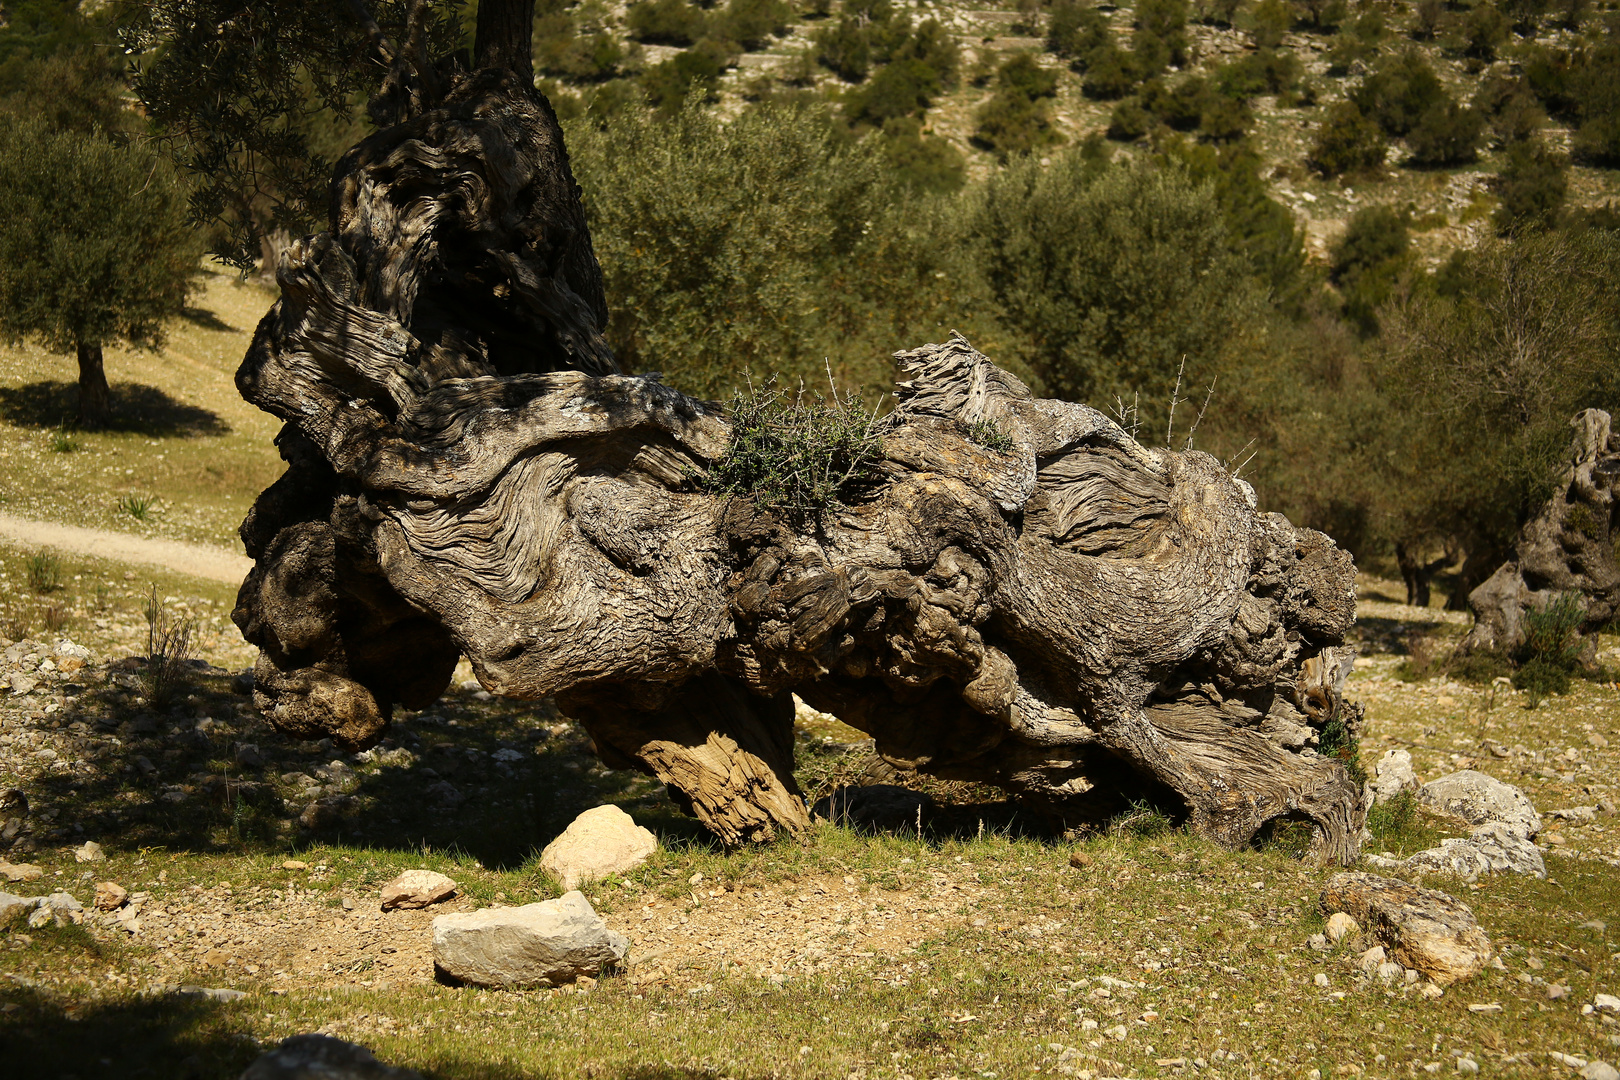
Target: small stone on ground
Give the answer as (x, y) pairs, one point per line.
(417, 889)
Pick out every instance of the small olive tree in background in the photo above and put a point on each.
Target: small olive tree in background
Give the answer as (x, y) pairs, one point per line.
(1484, 367)
(94, 247)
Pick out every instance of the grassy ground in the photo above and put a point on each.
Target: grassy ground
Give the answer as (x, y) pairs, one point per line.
(185, 456)
(975, 950)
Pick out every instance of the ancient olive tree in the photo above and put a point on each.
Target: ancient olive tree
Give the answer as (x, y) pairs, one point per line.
(996, 586)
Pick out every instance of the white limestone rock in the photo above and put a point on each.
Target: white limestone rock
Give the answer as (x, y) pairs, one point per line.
(598, 843)
(1393, 774)
(545, 944)
(1481, 800)
(417, 889)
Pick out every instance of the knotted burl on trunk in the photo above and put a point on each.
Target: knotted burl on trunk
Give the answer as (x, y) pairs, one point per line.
(1079, 619)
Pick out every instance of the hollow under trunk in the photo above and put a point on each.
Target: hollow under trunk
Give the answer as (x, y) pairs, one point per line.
(1079, 619)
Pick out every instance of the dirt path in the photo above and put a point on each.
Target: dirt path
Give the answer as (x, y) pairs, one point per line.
(211, 563)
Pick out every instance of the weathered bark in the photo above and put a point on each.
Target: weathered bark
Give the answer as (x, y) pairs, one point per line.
(95, 400)
(1569, 547)
(1080, 619)
(502, 37)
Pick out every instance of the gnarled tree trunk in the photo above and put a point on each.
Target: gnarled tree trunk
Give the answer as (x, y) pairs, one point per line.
(1569, 547)
(1078, 619)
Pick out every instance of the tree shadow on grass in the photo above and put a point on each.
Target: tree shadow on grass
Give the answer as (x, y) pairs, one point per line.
(53, 1034)
(173, 1036)
(136, 409)
(497, 780)
(207, 320)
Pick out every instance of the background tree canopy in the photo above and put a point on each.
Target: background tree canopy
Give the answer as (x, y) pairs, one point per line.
(1114, 273)
(820, 220)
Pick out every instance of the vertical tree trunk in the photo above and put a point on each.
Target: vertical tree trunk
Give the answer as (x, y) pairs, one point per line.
(1416, 575)
(94, 407)
(503, 35)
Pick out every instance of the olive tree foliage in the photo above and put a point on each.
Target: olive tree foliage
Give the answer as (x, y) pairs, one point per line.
(94, 247)
(767, 245)
(243, 92)
(1483, 370)
(1116, 273)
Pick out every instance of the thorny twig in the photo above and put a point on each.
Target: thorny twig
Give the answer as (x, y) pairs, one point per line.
(1175, 397)
(1200, 417)
(1129, 419)
(1227, 465)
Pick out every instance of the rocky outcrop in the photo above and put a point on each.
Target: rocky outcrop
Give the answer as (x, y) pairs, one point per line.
(545, 944)
(1422, 928)
(1393, 774)
(1489, 849)
(1480, 799)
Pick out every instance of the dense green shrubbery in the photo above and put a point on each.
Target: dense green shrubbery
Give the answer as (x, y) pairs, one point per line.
(697, 70)
(666, 22)
(1192, 104)
(1367, 261)
(1322, 16)
(1482, 369)
(1014, 121)
(567, 50)
(763, 244)
(1531, 188)
(1076, 29)
(1111, 73)
(752, 23)
(1482, 31)
(1510, 108)
(920, 160)
(921, 67)
(1448, 134)
(1114, 273)
(868, 32)
(1399, 92)
(1347, 142)
(1258, 227)
(1130, 121)
(1359, 43)
(1596, 90)
(1161, 35)
(1552, 645)
(1264, 71)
